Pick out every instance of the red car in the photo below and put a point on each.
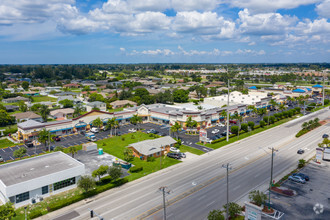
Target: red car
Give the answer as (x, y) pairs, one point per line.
(57, 138)
(233, 122)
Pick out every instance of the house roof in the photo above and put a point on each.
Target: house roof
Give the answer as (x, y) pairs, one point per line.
(96, 103)
(29, 123)
(69, 97)
(148, 147)
(18, 98)
(30, 115)
(122, 102)
(11, 107)
(62, 110)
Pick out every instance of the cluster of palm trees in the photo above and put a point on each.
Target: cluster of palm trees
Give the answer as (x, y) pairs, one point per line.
(112, 123)
(175, 129)
(191, 124)
(311, 124)
(136, 120)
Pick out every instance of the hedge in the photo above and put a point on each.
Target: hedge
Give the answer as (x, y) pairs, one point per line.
(135, 169)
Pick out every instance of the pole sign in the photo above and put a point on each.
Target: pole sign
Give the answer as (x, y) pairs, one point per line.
(319, 153)
(252, 212)
(202, 135)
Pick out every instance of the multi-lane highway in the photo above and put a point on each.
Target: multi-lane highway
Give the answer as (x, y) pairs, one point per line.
(198, 186)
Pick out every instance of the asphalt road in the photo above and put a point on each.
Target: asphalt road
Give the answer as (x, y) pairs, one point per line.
(197, 186)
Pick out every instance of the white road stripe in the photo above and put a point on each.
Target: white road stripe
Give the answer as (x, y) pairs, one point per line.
(11, 149)
(3, 150)
(201, 197)
(210, 204)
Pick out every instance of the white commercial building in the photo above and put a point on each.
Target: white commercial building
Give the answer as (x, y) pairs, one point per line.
(28, 181)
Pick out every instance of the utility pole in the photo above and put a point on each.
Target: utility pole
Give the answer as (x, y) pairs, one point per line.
(271, 174)
(227, 167)
(323, 90)
(164, 190)
(49, 141)
(161, 156)
(228, 113)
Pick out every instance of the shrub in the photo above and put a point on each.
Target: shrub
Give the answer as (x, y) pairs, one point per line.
(265, 119)
(233, 209)
(35, 214)
(151, 159)
(302, 163)
(257, 197)
(215, 215)
(262, 123)
(245, 127)
(123, 138)
(272, 119)
(297, 109)
(251, 125)
(132, 137)
(234, 129)
(136, 169)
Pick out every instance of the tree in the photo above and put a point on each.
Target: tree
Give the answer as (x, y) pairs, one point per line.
(59, 148)
(201, 91)
(141, 92)
(22, 106)
(78, 109)
(262, 123)
(213, 91)
(102, 170)
(110, 124)
(251, 125)
(72, 150)
(234, 129)
(44, 112)
(97, 122)
(301, 163)
(86, 183)
(257, 197)
(114, 172)
(5, 118)
(215, 215)
(245, 127)
(135, 120)
(45, 137)
(7, 211)
(273, 103)
(96, 97)
(305, 125)
(189, 123)
(20, 152)
(324, 143)
(66, 103)
(25, 85)
(175, 129)
(180, 95)
(128, 154)
(233, 209)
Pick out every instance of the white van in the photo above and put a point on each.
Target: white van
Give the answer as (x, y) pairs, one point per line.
(95, 130)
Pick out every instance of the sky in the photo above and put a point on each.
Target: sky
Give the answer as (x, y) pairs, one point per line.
(164, 31)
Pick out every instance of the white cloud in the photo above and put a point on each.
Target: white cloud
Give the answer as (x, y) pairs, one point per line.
(313, 27)
(194, 5)
(262, 6)
(164, 52)
(250, 52)
(323, 9)
(264, 24)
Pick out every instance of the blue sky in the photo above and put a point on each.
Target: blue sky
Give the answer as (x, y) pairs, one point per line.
(164, 31)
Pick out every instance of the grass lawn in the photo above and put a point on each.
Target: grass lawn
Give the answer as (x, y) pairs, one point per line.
(116, 146)
(6, 143)
(245, 135)
(44, 99)
(184, 148)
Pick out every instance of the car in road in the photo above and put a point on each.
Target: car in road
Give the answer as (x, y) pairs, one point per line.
(174, 155)
(132, 130)
(325, 136)
(152, 131)
(300, 151)
(57, 138)
(95, 130)
(174, 149)
(28, 144)
(305, 177)
(220, 125)
(1, 159)
(297, 179)
(215, 131)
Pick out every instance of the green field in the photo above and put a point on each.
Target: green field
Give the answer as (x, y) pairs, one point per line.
(184, 148)
(43, 99)
(116, 146)
(6, 143)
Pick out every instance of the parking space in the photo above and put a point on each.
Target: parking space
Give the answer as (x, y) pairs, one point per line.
(313, 198)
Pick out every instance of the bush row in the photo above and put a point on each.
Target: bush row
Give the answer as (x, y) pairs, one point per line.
(136, 169)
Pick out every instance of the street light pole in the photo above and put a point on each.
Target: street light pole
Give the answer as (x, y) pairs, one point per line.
(164, 190)
(271, 174)
(228, 114)
(323, 90)
(227, 167)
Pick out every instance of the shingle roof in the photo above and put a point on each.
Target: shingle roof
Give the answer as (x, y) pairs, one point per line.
(148, 147)
(29, 123)
(30, 115)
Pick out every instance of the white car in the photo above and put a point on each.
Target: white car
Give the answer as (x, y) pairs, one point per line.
(215, 131)
(174, 149)
(221, 125)
(95, 130)
(132, 130)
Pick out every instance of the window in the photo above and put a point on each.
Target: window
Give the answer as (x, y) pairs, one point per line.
(64, 183)
(22, 197)
(44, 190)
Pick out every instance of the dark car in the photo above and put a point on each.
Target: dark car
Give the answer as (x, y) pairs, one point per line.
(174, 155)
(218, 136)
(182, 155)
(57, 138)
(162, 134)
(51, 148)
(300, 151)
(301, 175)
(232, 121)
(152, 131)
(325, 136)
(29, 144)
(118, 133)
(1, 159)
(214, 138)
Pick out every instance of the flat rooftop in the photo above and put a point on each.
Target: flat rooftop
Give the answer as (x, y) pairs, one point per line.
(32, 168)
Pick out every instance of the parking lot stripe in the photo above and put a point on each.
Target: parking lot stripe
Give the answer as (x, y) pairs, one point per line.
(11, 157)
(11, 149)
(3, 150)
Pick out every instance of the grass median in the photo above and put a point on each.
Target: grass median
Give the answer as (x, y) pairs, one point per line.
(4, 143)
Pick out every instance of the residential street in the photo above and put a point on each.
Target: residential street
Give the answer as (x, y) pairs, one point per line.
(198, 186)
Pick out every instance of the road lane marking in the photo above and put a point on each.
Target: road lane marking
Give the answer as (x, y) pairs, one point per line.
(257, 175)
(237, 187)
(201, 197)
(210, 204)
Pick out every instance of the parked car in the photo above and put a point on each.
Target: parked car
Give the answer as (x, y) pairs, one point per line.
(29, 144)
(182, 155)
(297, 179)
(300, 151)
(225, 133)
(152, 131)
(174, 149)
(221, 125)
(95, 130)
(213, 138)
(232, 121)
(305, 177)
(215, 131)
(57, 138)
(209, 140)
(1, 159)
(132, 130)
(325, 136)
(162, 134)
(173, 155)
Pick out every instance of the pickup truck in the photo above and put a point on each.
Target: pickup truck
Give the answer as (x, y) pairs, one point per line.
(90, 136)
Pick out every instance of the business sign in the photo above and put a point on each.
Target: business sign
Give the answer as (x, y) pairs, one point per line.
(252, 212)
(202, 135)
(319, 154)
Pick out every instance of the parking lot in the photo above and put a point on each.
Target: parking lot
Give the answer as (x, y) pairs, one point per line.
(313, 198)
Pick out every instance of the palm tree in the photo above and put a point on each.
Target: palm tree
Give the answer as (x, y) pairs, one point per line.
(175, 129)
(305, 125)
(116, 125)
(253, 109)
(72, 150)
(273, 103)
(224, 114)
(45, 137)
(189, 123)
(97, 122)
(135, 120)
(239, 118)
(282, 107)
(77, 110)
(111, 124)
(44, 112)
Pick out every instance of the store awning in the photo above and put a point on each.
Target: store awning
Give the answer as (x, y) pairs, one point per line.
(64, 129)
(160, 118)
(214, 119)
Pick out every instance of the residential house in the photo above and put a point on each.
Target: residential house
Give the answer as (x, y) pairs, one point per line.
(122, 104)
(97, 104)
(16, 99)
(152, 148)
(25, 116)
(71, 85)
(61, 98)
(11, 108)
(62, 113)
